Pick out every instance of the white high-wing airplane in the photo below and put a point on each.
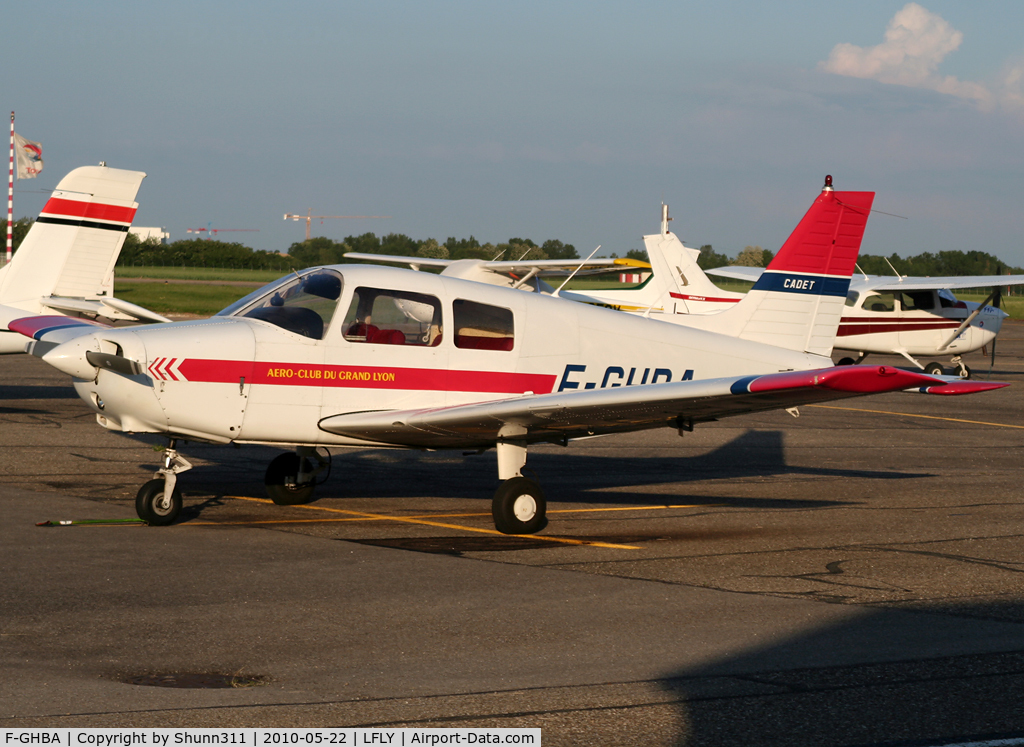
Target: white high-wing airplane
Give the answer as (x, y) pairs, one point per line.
(914, 317)
(66, 262)
(362, 355)
(522, 274)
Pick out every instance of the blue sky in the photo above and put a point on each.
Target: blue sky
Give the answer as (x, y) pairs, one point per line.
(564, 120)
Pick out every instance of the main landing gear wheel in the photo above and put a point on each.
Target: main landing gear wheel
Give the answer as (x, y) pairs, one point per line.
(154, 507)
(282, 480)
(519, 507)
(965, 372)
(846, 362)
(934, 369)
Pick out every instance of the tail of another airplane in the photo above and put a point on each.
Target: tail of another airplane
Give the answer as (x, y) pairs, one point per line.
(798, 300)
(66, 262)
(681, 285)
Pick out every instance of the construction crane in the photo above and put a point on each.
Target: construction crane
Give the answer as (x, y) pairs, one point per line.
(212, 232)
(309, 218)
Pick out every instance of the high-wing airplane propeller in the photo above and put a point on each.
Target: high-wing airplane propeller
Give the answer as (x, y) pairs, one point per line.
(368, 356)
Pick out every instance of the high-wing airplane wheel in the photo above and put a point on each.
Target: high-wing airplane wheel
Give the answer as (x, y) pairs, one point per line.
(965, 372)
(934, 369)
(846, 362)
(282, 480)
(152, 507)
(519, 507)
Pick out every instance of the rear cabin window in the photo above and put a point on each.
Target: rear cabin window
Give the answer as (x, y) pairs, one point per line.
(482, 327)
(880, 302)
(387, 317)
(851, 298)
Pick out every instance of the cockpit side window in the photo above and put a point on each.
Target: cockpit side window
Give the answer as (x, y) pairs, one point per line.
(302, 304)
(479, 326)
(879, 302)
(389, 317)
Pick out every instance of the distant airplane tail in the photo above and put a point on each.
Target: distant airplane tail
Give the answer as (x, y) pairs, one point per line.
(681, 283)
(798, 300)
(66, 261)
(71, 248)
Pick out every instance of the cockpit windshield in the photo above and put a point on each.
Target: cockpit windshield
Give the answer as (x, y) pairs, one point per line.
(302, 303)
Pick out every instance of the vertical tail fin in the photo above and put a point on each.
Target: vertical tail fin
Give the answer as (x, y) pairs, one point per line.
(798, 300)
(71, 248)
(683, 286)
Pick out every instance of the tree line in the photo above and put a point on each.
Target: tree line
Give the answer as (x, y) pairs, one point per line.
(324, 251)
(321, 251)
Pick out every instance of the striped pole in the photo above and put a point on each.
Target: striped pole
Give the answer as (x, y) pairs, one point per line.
(10, 197)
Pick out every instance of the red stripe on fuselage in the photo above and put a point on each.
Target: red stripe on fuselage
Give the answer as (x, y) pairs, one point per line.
(858, 326)
(364, 377)
(88, 210)
(703, 298)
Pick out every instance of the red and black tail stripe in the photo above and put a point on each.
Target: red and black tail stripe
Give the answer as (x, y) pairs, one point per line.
(62, 212)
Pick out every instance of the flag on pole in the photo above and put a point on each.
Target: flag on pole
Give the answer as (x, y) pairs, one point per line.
(30, 157)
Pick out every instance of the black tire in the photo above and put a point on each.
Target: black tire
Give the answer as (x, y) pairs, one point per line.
(846, 362)
(148, 500)
(965, 373)
(283, 469)
(934, 369)
(519, 507)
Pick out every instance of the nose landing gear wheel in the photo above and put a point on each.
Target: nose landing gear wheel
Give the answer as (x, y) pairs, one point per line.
(155, 508)
(519, 507)
(282, 480)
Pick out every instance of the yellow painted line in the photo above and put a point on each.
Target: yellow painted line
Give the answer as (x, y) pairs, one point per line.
(373, 517)
(630, 508)
(912, 415)
(443, 525)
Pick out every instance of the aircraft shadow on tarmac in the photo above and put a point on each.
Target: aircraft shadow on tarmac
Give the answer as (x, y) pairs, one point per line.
(570, 477)
(567, 477)
(21, 392)
(936, 671)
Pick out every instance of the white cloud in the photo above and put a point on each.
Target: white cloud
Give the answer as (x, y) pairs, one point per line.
(916, 42)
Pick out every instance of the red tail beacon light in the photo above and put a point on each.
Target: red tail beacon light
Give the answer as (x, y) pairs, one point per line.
(828, 183)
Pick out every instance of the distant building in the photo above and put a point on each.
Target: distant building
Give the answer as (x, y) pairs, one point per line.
(143, 233)
(633, 277)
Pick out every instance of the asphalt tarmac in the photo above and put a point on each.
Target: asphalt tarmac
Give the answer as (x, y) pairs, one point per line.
(853, 576)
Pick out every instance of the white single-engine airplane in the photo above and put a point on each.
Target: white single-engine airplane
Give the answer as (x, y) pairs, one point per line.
(915, 317)
(361, 355)
(65, 263)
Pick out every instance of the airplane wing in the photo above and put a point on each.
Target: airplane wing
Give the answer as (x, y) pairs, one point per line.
(939, 283)
(396, 259)
(49, 329)
(564, 415)
(543, 266)
(750, 274)
(891, 284)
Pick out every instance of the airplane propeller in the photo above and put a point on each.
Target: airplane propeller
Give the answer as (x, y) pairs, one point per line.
(997, 297)
(115, 363)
